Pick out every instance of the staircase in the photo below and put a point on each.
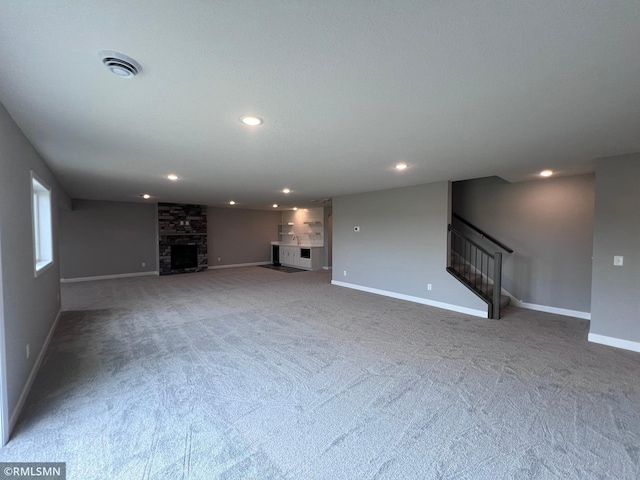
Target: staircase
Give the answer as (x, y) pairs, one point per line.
(479, 284)
(478, 269)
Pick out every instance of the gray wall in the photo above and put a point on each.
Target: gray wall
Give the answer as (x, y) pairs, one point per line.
(327, 254)
(402, 245)
(615, 301)
(107, 238)
(29, 305)
(549, 225)
(239, 236)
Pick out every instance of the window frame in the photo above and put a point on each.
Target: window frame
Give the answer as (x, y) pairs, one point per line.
(42, 224)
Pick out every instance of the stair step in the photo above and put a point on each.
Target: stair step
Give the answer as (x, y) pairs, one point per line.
(505, 301)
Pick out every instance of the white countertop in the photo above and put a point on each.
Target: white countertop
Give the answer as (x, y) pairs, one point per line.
(302, 245)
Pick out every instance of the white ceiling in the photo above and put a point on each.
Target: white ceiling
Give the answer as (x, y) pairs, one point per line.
(456, 89)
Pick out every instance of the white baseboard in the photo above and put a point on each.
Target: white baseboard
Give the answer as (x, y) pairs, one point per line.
(327, 268)
(410, 298)
(13, 419)
(218, 267)
(108, 277)
(544, 308)
(614, 342)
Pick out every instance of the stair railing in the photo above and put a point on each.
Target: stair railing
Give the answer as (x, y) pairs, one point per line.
(477, 268)
(482, 233)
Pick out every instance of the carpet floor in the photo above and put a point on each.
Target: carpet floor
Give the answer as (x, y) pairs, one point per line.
(247, 373)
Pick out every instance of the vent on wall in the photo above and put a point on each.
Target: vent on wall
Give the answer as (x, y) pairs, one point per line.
(120, 64)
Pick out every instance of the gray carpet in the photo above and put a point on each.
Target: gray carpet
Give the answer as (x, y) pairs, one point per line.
(250, 374)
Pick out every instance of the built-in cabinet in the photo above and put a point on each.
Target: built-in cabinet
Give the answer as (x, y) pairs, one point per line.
(300, 239)
(304, 257)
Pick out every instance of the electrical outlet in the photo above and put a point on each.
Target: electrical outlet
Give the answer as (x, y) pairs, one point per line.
(618, 260)
(28, 350)
(428, 286)
(144, 264)
(219, 259)
(345, 273)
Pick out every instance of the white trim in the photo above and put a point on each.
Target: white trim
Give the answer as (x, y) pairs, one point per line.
(410, 298)
(32, 376)
(327, 268)
(107, 277)
(5, 431)
(218, 267)
(544, 308)
(614, 342)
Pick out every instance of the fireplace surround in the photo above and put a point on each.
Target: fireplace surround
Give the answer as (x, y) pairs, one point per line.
(182, 238)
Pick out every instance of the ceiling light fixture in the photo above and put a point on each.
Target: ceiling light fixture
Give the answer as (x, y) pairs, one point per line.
(251, 120)
(232, 202)
(295, 208)
(286, 190)
(172, 176)
(275, 205)
(546, 173)
(146, 196)
(120, 64)
(401, 166)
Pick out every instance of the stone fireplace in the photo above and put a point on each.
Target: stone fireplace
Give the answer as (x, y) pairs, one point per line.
(182, 238)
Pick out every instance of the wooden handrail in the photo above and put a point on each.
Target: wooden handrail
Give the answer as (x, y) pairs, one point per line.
(482, 233)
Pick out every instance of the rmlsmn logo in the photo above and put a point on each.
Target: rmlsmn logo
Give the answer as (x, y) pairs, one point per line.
(40, 470)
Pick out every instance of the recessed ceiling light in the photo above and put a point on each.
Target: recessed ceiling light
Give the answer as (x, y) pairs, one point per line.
(275, 205)
(172, 176)
(146, 196)
(286, 190)
(251, 120)
(401, 166)
(232, 202)
(546, 173)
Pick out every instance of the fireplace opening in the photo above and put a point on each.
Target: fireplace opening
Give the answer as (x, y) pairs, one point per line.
(184, 256)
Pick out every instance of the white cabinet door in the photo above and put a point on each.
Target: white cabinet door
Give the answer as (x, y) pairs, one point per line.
(286, 255)
(283, 254)
(305, 263)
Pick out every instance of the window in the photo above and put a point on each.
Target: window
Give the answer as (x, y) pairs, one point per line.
(42, 236)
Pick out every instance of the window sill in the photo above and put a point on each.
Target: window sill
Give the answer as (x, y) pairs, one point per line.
(43, 266)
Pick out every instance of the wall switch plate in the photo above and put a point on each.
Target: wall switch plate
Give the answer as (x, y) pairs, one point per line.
(618, 260)
(356, 229)
(345, 273)
(144, 264)
(219, 259)
(428, 286)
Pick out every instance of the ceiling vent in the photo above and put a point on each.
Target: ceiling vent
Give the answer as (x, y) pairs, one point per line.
(120, 64)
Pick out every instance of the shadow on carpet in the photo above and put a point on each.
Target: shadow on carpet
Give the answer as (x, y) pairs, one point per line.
(282, 268)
